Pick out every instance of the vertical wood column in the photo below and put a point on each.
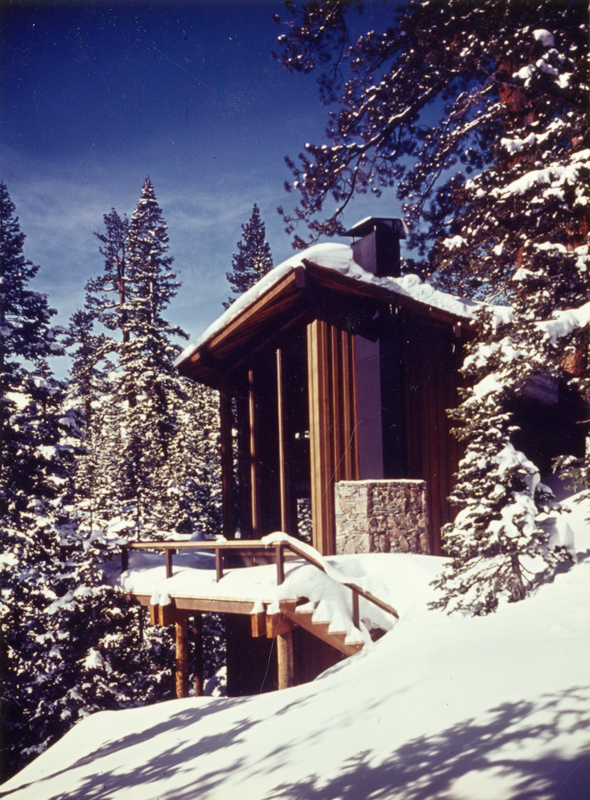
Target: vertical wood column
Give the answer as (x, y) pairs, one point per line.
(254, 495)
(322, 490)
(350, 424)
(181, 659)
(336, 404)
(227, 462)
(285, 659)
(344, 405)
(283, 446)
(198, 630)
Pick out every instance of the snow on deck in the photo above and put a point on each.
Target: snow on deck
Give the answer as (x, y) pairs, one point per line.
(330, 601)
(484, 708)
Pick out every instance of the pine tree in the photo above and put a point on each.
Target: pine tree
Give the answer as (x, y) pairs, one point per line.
(253, 259)
(154, 390)
(477, 113)
(36, 455)
(151, 435)
(427, 104)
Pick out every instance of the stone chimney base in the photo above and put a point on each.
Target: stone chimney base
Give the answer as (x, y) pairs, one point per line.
(382, 516)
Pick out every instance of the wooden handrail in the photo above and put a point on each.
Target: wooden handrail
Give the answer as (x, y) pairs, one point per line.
(248, 546)
(355, 589)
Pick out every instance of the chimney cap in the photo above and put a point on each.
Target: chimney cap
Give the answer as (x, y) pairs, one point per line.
(369, 224)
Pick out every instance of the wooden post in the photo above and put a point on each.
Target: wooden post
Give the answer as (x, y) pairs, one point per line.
(356, 617)
(198, 629)
(124, 559)
(283, 447)
(218, 564)
(349, 407)
(280, 555)
(181, 659)
(227, 462)
(322, 489)
(168, 553)
(285, 659)
(254, 499)
(336, 387)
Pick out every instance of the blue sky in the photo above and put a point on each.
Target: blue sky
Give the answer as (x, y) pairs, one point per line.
(97, 95)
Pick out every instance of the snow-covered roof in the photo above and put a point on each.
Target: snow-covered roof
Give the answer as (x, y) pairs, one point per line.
(338, 257)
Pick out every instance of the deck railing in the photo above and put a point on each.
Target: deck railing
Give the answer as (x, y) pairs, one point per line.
(250, 549)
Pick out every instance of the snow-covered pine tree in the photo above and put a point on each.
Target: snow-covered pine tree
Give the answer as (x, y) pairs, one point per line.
(253, 259)
(478, 112)
(150, 390)
(35, 463)
(151, 433)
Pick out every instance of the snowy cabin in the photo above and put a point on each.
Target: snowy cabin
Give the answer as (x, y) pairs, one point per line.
(341, 372)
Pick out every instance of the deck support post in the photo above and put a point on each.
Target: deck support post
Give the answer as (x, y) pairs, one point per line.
(285, 659)
(181, 659)
(198, 631)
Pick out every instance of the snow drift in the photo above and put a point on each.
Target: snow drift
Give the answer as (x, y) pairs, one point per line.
(492, 708)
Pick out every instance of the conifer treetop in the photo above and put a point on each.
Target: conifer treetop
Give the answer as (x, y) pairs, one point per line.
(253, 259)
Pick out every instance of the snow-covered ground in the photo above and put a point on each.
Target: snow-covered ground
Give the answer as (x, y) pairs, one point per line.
(493, 708)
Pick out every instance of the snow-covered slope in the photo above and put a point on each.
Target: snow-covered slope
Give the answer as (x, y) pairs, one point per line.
(442, 707)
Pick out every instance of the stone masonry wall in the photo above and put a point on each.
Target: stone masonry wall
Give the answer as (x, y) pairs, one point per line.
(386, 516)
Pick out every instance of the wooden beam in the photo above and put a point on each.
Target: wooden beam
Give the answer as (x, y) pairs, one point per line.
(277, 624)
(181, 659)
(258, 624)
(216, 605)
(321, 466)
(285, 659)
(227, 461)
(283, 446)
(254, 496)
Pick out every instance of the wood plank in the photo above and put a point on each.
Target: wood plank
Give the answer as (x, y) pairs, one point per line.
(322, 489)
(181, 660)
(227, 461)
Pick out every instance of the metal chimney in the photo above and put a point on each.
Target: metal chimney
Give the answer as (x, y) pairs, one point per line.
(377, 245)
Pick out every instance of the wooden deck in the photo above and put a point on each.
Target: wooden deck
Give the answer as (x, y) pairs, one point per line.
(181, 606)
